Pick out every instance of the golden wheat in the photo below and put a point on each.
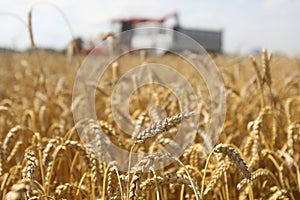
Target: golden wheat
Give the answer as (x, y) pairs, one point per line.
(42, 156)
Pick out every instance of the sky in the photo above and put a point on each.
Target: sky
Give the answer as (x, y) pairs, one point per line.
(247, 24)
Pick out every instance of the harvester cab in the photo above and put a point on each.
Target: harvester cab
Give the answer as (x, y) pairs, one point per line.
(140, 38)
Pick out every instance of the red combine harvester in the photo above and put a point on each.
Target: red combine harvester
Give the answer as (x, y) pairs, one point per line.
(211, 40)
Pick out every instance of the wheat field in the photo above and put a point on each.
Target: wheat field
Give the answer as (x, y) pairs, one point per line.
(257, 155)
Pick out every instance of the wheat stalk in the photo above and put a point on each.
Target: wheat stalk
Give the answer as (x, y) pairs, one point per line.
(162, 126)
(255, 175)
(235, 157)
(222, 167)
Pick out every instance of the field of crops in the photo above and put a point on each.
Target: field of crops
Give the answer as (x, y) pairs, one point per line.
(257, 155)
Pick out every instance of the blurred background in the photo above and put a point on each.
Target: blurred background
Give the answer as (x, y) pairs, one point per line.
(246, 26)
